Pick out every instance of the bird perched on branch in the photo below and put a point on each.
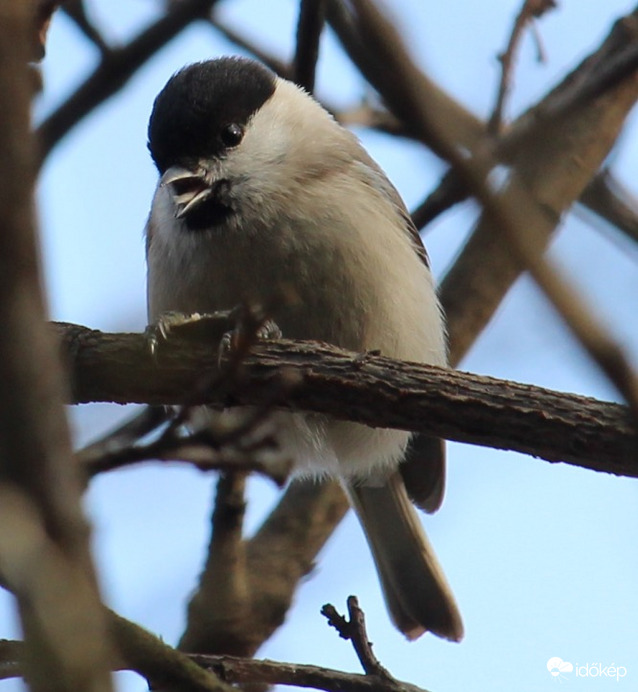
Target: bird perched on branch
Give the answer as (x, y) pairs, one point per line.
(265, 199)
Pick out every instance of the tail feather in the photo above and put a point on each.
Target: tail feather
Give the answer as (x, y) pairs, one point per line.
(423, 471)
(415, 589)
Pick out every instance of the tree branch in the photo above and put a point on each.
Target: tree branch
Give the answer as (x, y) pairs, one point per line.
(366, 388)
(309, 27)
(555, 163)
(355, 630)
(44, 547)
(222, 604)
(517, 220)
(607, 197)
(116, 68)
(530, 10)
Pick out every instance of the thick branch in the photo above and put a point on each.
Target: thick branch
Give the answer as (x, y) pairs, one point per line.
(221, 605)
(370, 389)
(44, 548)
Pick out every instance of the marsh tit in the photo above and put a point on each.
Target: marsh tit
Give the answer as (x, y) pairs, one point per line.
(264, 198)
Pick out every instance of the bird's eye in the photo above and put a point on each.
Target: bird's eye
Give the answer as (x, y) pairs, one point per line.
(232, 134)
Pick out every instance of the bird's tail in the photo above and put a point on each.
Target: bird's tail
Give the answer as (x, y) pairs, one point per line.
(416, 592)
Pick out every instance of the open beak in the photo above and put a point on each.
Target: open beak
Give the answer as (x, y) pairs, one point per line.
(189, 188)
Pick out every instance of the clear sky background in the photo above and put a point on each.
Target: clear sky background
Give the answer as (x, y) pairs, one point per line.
(542, 558)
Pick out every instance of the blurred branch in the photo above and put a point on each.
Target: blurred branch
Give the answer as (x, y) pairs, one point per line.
(138, 650)
(242, 442)
(367, 388)
(450, 191)
(222, 605)
(76, 10)
(232, 669)
(469, 128)
(275, 64)
(284, 549)
(249, 671)
(309, 27)
(116, 68)
(164, 667)
(44, 548)
(555, 165)
(44, 10)
(607, 197)
(513, 215)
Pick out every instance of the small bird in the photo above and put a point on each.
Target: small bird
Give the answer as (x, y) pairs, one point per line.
(264, 199)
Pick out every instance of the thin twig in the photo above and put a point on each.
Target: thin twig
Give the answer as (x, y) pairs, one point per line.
(595, 76)
(354, 630)
(275, 64)
(531, 9)
(205, 450)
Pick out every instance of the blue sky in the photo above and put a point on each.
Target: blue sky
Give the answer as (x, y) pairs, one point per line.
(541, 557)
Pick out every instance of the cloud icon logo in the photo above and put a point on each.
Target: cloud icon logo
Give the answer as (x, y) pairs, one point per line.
(556, 666)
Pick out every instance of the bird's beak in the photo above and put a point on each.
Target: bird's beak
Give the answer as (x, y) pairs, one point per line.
(189, 188)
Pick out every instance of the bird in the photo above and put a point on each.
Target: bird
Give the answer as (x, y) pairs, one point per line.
(264, 199)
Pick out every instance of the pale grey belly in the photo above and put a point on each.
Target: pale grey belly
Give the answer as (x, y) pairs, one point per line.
(312, 291)
(308, 289)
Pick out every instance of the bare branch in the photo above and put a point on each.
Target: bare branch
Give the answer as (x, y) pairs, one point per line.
(531, 9)
(138, 650)
(372, 389)
(222, 605)
(246, 442)
(450, 191)
(469, 129)
(163, 666)
(243, 670)
(44, 551)
(284, 550)
(44, 10)
(607, 197)
(233, 670)
(116, 68)
(515, 212)
(275, 64)
(354, 630)
(76, 11)
(555, 164)
(309, 27)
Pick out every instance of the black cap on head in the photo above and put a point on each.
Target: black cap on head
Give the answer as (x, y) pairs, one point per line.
(197, 112)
